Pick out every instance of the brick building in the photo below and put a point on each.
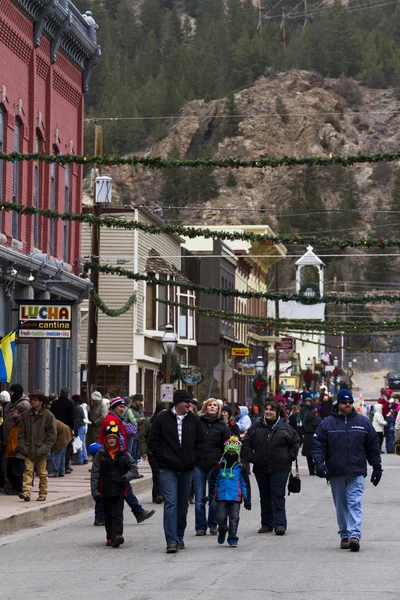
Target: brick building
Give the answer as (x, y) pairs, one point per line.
(48, 50)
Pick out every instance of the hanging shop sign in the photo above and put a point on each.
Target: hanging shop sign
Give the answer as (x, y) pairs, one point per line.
(50, 320)
(191, 375)
(248, 369)
(240, 351)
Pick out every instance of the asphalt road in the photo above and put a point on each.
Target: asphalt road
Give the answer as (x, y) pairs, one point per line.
(68, 558)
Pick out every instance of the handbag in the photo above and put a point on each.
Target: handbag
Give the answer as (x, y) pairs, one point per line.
(76, 444)
(130, 429)
(294, 485)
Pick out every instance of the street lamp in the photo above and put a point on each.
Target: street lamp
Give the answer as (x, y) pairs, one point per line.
(335, 363)
(259, 366)
(308, 364)
(169, 341)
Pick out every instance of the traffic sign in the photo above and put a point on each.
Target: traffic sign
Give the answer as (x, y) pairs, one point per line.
(223, 372)
(167, 392)
(240, 351)
(285, 344)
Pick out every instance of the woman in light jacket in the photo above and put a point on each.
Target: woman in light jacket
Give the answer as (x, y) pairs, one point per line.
(379, 423)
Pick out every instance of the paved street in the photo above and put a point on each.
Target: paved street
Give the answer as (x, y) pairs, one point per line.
(68, 559)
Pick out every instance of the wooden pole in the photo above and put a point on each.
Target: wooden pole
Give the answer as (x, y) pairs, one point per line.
(94, 278)
(277, 332)
(284, 31)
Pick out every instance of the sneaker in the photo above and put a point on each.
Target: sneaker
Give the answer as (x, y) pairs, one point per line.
(354, 544)
(41, 499)
(181, 545)
(68, 471)
(117, 541)
(61, 474)
(221, 538)
(233, 543)
(172, 548)
(24, 497)
(200, 533)
(158, 500)
(109, 543)
(344, 544)
(213, 531)
(85, 462)
(280, 531)
(53, 475)
(98, 523)
(146, 514)
(264, 529)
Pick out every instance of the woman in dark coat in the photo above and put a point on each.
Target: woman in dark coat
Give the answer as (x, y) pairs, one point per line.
(272, 445)
(309, 427)
(216, 433)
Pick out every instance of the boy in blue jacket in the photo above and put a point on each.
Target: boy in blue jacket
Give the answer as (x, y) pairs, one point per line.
(229, 485)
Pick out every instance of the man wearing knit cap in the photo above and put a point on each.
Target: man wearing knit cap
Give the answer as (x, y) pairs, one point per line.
(115, 412)
(176, 441)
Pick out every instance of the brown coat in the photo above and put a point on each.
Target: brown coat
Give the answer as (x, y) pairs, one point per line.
(64, 436)
(22, 403)
(37, 433)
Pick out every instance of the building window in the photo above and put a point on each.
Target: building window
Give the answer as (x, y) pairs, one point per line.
(66, 209)
(186, 316)
(53, 193)
(1, 163)
(159, 314)
(36, 195)
(17, 136)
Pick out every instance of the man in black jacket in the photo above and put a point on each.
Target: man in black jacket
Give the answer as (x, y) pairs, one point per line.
(64, 411)
(176, 441)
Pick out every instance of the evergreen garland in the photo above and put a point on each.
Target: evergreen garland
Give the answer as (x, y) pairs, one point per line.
(112, 312)
(193, 232)
(158, 162)
(328, 299)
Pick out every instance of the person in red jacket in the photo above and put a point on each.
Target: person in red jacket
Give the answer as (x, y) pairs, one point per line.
(384, 401)
(116, 410)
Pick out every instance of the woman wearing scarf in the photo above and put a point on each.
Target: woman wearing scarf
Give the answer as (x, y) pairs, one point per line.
(272, 445)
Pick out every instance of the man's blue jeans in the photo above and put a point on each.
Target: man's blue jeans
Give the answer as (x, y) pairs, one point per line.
(131, 500)
(58, 459)
(347, 493)
(81, 455)
(201, 477)
(175, 488)
(272, 488)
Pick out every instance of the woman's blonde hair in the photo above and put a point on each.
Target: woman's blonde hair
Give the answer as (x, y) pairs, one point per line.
(206, 403)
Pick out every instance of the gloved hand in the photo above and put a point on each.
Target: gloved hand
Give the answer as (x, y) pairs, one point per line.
(96, 497)
(206, 499)
(376, 476)
(321, 471)
(247, 504)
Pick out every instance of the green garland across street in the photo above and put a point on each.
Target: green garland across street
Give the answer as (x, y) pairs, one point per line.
(158, 162)
(193, 232)
(328, 299)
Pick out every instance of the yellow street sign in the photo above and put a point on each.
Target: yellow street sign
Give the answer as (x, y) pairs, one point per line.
(240, 351)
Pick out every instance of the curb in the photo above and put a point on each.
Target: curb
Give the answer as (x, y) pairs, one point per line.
(34, 517)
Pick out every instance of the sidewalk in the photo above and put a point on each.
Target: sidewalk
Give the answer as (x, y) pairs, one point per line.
(66, 496)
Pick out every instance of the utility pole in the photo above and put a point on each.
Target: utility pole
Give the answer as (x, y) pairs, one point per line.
(283, 25)
(276, 332)
(305, 13)
(94, 277)
(260, 16)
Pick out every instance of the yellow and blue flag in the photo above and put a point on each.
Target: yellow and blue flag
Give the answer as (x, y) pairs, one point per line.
(7, 349)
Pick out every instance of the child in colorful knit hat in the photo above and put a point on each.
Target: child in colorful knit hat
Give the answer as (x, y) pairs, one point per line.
(230, 485)
(112, 468)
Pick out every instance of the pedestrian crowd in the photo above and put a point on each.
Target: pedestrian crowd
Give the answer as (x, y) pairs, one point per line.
(202, 450)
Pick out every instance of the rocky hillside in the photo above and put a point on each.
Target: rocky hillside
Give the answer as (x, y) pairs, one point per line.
(317, 119)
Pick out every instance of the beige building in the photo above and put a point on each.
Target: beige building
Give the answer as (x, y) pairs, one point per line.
(129, 346)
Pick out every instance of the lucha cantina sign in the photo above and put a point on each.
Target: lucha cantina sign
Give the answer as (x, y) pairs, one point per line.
(44, 320)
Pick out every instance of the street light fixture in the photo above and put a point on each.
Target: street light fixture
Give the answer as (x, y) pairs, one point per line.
(335, 362)
(308, 363)
(259, 366)
(169, 342)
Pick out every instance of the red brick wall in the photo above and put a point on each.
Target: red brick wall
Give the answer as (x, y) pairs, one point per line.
(54, 91)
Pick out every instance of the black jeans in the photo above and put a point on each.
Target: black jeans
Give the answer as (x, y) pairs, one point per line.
(228, 509)
(131, 500)
(311, 465)
(155, 471)
(68, 454)
(113, 516)
(380, 437)
(272, 488)
(15, 471)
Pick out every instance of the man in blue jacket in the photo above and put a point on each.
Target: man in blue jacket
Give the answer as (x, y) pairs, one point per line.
(342, 445)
